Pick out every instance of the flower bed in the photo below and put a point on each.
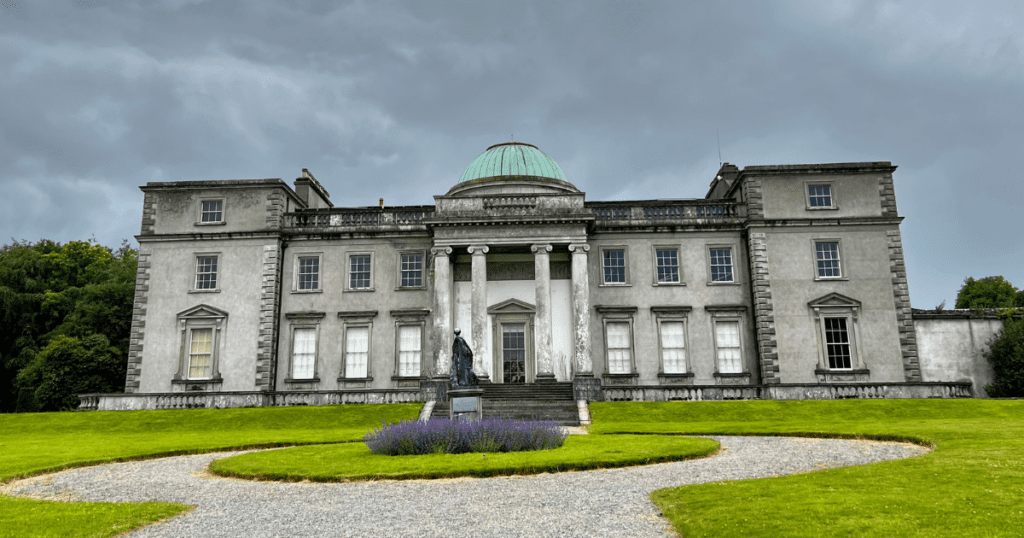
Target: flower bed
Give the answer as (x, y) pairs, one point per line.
(437, 436)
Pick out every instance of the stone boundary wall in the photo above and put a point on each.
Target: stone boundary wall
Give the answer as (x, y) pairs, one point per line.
(222, 400)
(658, 393)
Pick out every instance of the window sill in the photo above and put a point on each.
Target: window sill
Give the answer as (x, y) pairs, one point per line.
(207, 381)
(358, 379)
(215, 290)
(409, 288)
(828, 208)
(730, 283)
(218, 223)
(308, 291)
(656, 284)
(310, 380)
(357, 290)
(841, 376)
(831, 278)
(615, 285)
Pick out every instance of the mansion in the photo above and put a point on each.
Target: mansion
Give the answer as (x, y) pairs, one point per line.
(783, 281)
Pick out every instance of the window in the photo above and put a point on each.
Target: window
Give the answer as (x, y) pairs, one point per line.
(206, 272)
(826, 254)
(614, 263)
(360, 271)
(212, 211)
(721, 264)
(673, 347)
(309, 273)
(727, 346)
(304, 353)
(357, 351)
(410, 343)
(411, 270)
(619, 347)
(200, 356)
(837, 344)
(667, 263)
(819, 196)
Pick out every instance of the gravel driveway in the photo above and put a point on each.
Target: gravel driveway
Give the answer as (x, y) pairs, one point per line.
(611, 502)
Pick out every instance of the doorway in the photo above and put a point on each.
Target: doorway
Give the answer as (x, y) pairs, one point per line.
(513, 353)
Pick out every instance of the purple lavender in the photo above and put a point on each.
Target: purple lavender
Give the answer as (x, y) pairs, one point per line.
(442, 435)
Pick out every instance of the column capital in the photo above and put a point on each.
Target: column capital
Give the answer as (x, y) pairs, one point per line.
(440, 251)
(583, 248)
(478, 250)
(541, 248)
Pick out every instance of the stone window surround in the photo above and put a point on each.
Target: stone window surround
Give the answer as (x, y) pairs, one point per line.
(625, 261)
(679, 264)
(320, 271)
(195, 276)
(304, 320)
(832, 194)
(513, 312)
(398, 264)
(348, 270)
(620, 314)
(407, 317)
(200, 317)
(735, 313)
(732, 258)
(678, 314)
(357, 318)
(851, 312)
(223, 211)
(814, 259)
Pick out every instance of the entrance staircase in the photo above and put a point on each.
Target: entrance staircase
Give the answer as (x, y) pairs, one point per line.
(531, 401)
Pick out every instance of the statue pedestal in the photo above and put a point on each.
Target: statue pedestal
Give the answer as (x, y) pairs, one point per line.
(466, 403)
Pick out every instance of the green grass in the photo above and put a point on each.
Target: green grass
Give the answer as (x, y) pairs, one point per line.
(32, 444)
(329, 463)
(971, 485)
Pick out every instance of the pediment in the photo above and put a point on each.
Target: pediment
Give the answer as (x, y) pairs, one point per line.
(834, 300)
(203, 311)
(512, 306)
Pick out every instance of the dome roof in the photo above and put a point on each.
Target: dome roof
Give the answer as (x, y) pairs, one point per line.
(512, 160)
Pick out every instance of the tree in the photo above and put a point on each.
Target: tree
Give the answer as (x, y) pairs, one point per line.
(68, 367)
(1006, 354)
(988, 292)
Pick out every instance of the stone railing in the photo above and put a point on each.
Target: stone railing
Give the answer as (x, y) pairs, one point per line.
(354, 218)
(696, 393)
(221, 400)
(510, 202)
(667, 212)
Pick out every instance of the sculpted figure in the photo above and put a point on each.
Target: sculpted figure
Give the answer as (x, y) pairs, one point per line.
(462, 374)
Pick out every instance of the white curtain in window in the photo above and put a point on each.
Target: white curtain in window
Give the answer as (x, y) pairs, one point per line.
(618, 348)
(357, 348)
(409, 338)
(673, 347)
(727, 336)
(304, 353)
(200, 363)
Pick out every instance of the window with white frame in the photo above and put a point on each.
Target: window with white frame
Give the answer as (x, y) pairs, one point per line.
(308, 273)
(357, 351)
(720, 259)
(826, 254)
(200, 354)
(727, 346)
(837, 343)
(410, 343)
(212, 211)
(411, 270)
(620, 346)
(819, 196)
(667, 262)
(613, 261)
(199, 330)
(304, 353)
(673, 346)
(206, 272)
(360, 271)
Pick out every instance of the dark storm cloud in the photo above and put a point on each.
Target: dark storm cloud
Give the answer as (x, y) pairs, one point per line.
(393, 100)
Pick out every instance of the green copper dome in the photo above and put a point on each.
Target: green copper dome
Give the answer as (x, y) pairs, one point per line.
(512, 160)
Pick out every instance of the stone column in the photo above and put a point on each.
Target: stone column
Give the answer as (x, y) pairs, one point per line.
(581, 308)
(542, 328)
(479, 303)
(442, 311)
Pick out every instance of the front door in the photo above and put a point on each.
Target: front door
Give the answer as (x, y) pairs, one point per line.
(513, 353)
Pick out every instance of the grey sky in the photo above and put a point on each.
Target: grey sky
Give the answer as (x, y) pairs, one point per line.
(394, 100)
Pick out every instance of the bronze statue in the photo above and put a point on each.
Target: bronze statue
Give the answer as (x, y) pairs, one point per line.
(462, 374)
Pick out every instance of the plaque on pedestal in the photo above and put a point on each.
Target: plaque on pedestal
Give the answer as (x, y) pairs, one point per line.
(466, 403)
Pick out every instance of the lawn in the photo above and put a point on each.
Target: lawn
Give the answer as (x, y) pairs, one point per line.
(353, 461)
(971, 485)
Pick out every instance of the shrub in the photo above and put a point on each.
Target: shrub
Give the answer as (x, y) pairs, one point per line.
(435, 436)
(1007, 357)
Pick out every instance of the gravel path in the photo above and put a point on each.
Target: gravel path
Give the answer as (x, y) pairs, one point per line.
(611, 502)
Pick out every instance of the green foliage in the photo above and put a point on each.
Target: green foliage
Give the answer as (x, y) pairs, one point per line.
(68, 367)
(1006, 353)
(78, 289)
(988, 292)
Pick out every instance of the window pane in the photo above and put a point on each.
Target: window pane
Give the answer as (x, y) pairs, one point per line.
(673, 347)
(668, 265)
(212, 211)
(721, 264)
(309, 273)
(359, 272)
(412, 270)
(200, 361)
(827, 255)
(618, 348)
(614, 266)
(820, 195)
(837, 343)
(206, 273)
(304, 353)
(727, 340)
(357, 345)
(409, 342)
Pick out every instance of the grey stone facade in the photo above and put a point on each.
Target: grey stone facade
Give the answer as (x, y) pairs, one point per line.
(782, 282)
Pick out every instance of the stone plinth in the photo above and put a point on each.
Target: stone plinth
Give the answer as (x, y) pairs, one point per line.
(466, 403)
